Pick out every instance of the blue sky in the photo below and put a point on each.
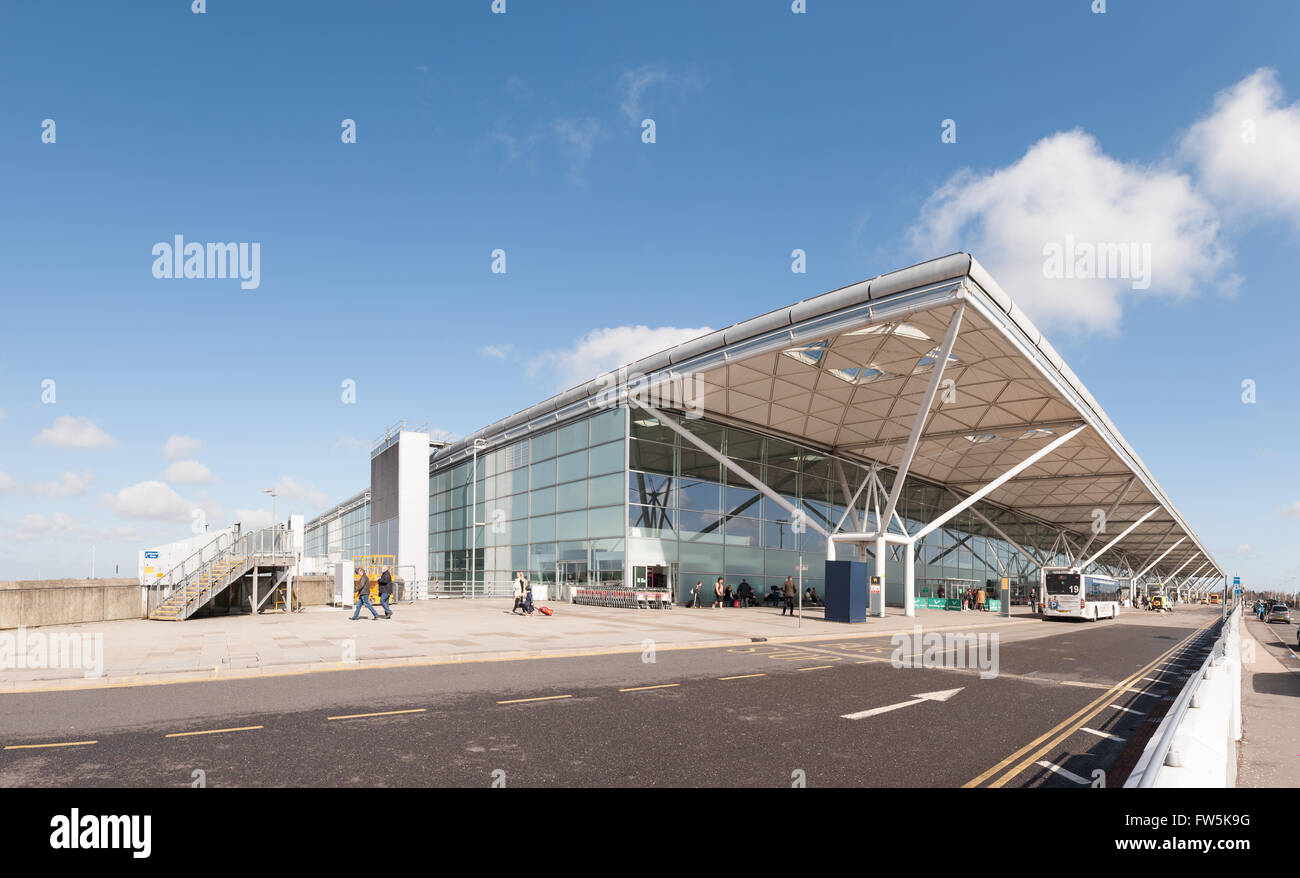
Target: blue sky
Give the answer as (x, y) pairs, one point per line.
(522, 131)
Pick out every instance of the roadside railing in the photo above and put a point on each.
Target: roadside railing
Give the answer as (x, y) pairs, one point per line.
(1196, 743)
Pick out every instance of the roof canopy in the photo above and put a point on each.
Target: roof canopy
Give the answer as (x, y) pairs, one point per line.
(848, 371)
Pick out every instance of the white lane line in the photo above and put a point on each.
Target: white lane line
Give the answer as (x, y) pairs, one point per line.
(1068, 775)
(1128, 709)
(1107, 735)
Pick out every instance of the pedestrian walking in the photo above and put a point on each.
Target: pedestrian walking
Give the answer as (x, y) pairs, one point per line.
(363, 594)
(979, 599)
(788, 592)
(717, 593)
(695, 595)
(521, 587)
(385, 591)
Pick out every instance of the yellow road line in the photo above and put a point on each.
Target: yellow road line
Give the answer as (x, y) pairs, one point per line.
(1067, 726)
(643, 688)
(742, 677)
(543, 698)
(213, 731)
(815, 668)
(40, 746)
(381, 713)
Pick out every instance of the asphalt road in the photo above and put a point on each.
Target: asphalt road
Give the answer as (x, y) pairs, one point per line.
(1066, 701)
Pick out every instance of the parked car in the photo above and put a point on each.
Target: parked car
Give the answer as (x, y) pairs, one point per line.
(1279, 613)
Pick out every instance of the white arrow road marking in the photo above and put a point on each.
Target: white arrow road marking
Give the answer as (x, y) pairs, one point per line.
(942, 695)
(1107, 735)
(1056, 769)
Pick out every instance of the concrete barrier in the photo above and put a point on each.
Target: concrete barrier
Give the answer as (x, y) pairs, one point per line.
(30, 603)
(1196, 744)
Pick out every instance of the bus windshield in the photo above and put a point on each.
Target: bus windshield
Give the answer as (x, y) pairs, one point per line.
(1062, 583)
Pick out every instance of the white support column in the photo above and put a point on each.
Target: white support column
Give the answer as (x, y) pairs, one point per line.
(909, 579)
(880, 571)
(1161, 558)
(896, 518)
(923, 413)
(1104, 549)
(999, 481)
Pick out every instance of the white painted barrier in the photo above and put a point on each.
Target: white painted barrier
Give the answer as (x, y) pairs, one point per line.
(1196, 744)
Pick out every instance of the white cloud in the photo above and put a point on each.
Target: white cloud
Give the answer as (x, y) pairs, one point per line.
(350, 444)
(189, 472)
(6, 482)
(635, 83)
(69, 485)
(1292, 510)
(295, 490)
(602, 350)
(499, 351)
(1247, 151)
(150, 500)
(577, 138)
(35, 525)
(72, 432)
(253, 519)
(180, 446)
(1066, 188)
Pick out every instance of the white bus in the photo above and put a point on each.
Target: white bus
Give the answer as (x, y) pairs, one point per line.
(1070, 594)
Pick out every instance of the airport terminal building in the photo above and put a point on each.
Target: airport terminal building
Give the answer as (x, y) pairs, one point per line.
(917, 421)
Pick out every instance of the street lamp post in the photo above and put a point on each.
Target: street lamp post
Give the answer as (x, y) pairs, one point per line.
(271, 491)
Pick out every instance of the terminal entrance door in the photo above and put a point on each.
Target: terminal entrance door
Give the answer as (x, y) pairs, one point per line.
(569, 575)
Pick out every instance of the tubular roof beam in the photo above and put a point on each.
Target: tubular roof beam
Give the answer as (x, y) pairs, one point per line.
(997, 530)
(1104, 549)
(922, 415)
(1109, 514)
(1162, 556)
(999, 481)
(962, 434)
(1190, 558)
(1057, 478)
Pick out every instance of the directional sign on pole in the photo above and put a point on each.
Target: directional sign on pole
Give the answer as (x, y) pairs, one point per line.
(942, 695)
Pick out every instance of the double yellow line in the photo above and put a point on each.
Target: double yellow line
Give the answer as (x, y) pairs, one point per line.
(1072, 724)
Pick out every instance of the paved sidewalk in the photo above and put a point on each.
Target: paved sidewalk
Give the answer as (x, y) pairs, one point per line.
(135, 652)
(1269, 755)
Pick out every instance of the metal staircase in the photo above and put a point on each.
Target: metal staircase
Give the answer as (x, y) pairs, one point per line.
(193, 583)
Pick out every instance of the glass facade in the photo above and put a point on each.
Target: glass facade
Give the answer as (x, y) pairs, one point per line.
(705, 521)
(337, 535)
(552, 505)
(588, 501)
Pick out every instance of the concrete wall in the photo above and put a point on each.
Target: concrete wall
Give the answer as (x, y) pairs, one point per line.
(314, 591)
(30, 603)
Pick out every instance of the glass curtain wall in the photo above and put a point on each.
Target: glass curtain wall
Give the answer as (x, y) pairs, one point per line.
(555, 498)
(709, 522)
